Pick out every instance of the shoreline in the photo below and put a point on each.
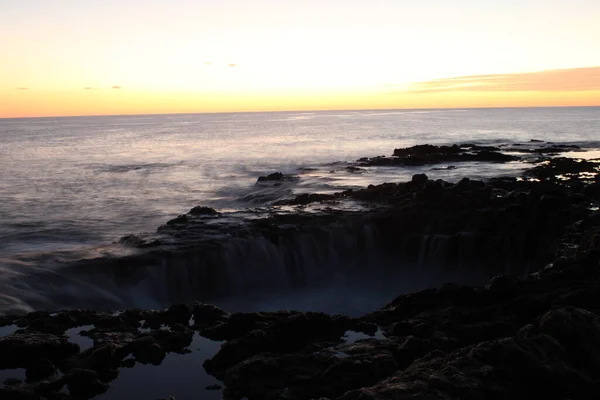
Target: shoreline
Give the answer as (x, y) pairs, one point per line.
(532, 329)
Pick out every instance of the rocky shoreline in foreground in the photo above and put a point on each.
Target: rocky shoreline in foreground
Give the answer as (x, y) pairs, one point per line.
(534, 332)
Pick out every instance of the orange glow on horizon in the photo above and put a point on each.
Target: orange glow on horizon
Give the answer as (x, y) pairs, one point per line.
(95, 57)
(31, 103)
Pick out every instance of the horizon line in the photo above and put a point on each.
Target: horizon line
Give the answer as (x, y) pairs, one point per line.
(284, 111)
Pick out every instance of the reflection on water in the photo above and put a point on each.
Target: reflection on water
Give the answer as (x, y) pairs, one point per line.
(8, 330)
(10, 373)
(74, 335)
(179, 375)
(352, 336)
(6, 374)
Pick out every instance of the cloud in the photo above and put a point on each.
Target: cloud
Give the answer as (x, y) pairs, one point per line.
(208, 63)
(89, 88)
(232, 65)
(22, 88)
(116, 87)
(568, 80)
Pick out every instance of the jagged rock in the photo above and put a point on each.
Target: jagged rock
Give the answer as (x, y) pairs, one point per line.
(277, 177)
(282, 336)
(181, 219)
(430, 154)
(354, 169)
(136, 241)
(176, 314)
(206, 315)
(240, 324)
(568, 168)
(200, 210)
(84, 383)
(550, 149)
(306, 198)
(427, 150)
(579, 333)
(146, 350)
(131, 240)
(15, 393)
(176, 340)
(40, 369)
(103, 357)
(419, 179)
(517, 368)
(23, 349)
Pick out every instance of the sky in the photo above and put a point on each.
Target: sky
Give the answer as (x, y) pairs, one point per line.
(98, 57)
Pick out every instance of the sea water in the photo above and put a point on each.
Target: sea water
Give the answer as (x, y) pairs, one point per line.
(70, 187)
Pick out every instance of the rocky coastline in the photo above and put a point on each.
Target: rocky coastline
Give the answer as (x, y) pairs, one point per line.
(531, 331)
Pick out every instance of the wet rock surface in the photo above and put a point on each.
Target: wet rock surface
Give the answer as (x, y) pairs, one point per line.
(533, 331)
(276, 177)
(429, 154)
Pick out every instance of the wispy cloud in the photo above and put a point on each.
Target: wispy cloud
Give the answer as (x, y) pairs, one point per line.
(232, 65)
(208, 63)
(22, 88)
(575, 79)
(116, 87)
(89, 88)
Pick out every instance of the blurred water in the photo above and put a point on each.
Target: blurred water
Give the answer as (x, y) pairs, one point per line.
(69, 187)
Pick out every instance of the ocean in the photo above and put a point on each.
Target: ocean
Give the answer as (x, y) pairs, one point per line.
(70, 187)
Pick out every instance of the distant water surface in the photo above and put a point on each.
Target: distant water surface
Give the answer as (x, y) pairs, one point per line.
(69, 182)
(71, 186)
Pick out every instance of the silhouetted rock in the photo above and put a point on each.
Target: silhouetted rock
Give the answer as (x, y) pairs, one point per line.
(84, 383)
(17, 393)
(306, 198)
(430, 154)
(564, 169)
(206, 315)
(23, 349)
(419, 179)
(40, 369)
(181, 219)
(354, 169)
(277, 177)
(200, 210)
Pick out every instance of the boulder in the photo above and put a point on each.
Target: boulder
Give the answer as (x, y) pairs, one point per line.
(21, 350)
(201, 210)
(84, 383)
(419, 179)
(40, 369)
(206, 315)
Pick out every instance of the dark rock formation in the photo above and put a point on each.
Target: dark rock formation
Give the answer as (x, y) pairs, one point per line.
(84, 383)
(277, 177)
(563, 168)
(40, 369)
(517, 337)
(430, 154)
(21, 350)
(532, 331)
(306, 198)
(200, 210)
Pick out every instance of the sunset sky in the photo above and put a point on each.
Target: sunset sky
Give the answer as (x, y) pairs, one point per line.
(94, 57)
